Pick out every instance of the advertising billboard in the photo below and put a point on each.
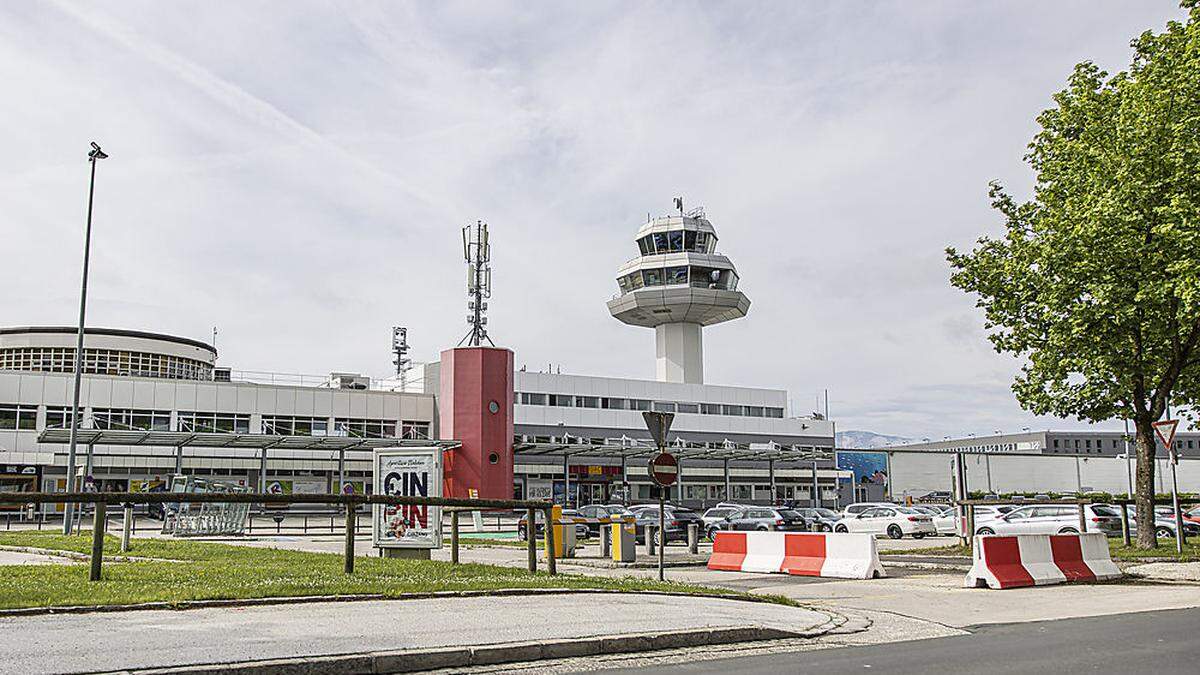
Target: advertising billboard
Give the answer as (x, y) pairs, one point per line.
(409, 472)
(868, 467)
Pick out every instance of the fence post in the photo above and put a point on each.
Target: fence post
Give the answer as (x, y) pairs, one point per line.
(126, 526)
(454, 537)
(98, 518)
(350, 524)
(970, 526)
(551, 564)
(1125, 523)
(531, 538)
(1082, 518)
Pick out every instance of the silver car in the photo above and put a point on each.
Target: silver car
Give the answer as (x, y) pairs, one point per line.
(1053, 519)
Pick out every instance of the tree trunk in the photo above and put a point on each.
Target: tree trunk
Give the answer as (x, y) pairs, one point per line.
(1145, 483)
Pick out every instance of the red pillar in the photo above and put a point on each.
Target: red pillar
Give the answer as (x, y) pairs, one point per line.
(476, 408)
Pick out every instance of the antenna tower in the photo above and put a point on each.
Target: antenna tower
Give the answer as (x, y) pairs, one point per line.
(478, 254)
(400, 349)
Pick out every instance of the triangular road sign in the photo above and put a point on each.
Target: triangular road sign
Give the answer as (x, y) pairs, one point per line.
(658, 424)
(1165, 430)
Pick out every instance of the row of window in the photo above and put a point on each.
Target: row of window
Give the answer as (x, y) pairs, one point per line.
(682, 275)
(104, 362)
(1074, 443)
(25, 417)
(611, 403)
(678, 241)
(593, 440)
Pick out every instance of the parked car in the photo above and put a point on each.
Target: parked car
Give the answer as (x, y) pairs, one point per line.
(715, 517)
(764, 518)
(1053, 519)
(894, 521)
(677, 520)
(986, 513)
(946, 521)
(596, 516)
(581, 528)
(858, 507)
(820, 520)
(1164, 523)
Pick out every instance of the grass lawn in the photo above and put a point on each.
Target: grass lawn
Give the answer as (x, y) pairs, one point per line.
(221, 571)
(1166, 549)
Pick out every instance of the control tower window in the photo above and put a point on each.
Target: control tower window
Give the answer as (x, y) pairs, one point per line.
(653, 277)
(660, 242)
(675, 239)
(689, 240)
(703, 243)
(677, 275)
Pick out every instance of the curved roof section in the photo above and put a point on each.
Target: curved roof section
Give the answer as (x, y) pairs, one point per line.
(114, 332)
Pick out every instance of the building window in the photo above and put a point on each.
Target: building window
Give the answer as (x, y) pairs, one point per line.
(677, 276)
(653, 277)
(362, 428)
(693, 408)
(14, 416)
(213, 422)
(754, 411)
(639, 404)
(414, 430)
(664, 406)
(614, 404)
(710, 408)
(137, 420)
(1056, 442)
(777, 413)
(533, 399)
(560, 400)
(58, 418)
(104, 362)
(587, 401)
(735, 410)
(287, 425)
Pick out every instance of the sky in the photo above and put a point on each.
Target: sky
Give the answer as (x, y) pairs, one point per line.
(297, 174)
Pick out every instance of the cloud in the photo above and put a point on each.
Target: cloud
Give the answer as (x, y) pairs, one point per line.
(297, 176)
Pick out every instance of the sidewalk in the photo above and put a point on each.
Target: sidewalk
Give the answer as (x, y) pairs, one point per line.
(143, 639)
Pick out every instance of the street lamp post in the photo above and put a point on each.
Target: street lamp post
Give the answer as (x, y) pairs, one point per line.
(94, 155)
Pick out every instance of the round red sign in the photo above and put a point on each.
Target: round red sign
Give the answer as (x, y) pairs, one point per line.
(664, 469)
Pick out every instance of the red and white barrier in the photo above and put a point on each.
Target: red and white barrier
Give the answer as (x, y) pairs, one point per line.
(1040, 559)
(845, 556)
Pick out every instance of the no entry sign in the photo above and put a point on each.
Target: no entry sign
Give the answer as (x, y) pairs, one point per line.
(664, 469)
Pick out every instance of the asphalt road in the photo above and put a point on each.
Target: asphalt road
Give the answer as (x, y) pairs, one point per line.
(1146, 642)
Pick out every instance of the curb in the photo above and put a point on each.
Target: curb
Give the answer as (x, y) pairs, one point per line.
(300, 600)
(407, 661)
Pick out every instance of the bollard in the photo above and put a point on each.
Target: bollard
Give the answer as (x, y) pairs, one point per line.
(1125, 524)
(454, 537)
(651, 536)
(551, 565)
(531, 539)
(693, 538)
(98, 518)
(126, 527)
(605, 538)
(350, 525)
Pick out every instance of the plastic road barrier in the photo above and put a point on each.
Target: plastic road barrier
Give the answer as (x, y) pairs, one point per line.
(1040, 559)
(844, 556)
(624, 541)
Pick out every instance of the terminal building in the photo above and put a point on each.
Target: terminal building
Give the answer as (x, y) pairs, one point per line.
(153, 405)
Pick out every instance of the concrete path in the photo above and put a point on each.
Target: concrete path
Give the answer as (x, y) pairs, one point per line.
(122, 640)
(18, 558)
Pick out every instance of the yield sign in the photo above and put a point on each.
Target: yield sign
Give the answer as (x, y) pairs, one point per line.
(1165, 430)
(658, 424)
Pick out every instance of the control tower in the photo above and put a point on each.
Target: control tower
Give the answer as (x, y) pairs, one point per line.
(678, 285)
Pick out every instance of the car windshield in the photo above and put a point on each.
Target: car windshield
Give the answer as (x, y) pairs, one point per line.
(1104, 510)
(1004, 509)
(911, 512)
(717, 513)
(825, 513)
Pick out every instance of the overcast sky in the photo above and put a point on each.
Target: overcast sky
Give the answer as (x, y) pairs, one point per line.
(297, 174)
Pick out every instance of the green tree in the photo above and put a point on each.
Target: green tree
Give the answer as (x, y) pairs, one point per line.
(1095, 284)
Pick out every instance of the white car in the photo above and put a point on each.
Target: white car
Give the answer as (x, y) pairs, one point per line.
(1052, 519)
(894, 521)
(858, 507)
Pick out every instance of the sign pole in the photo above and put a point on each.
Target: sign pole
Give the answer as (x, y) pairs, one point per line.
(662, 533)
(664, 471)
(1166, 433)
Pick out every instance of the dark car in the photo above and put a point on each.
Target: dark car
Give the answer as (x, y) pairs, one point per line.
(820, 520)
(596, 516)
(677, 521)
(763, 518)
(581, 528)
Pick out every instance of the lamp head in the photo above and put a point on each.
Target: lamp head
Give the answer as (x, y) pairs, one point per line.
(96, 152)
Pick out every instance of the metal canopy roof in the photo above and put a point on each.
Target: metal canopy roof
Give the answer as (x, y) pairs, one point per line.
(231, 440)
(779, 453)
